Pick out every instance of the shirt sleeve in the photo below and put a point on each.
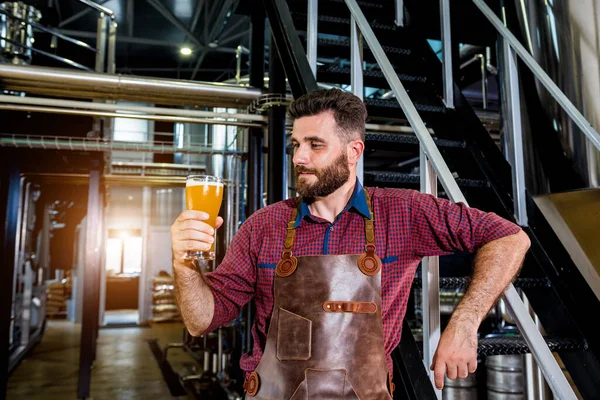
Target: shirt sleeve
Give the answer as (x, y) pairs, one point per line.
(440, 227)
(233, 281)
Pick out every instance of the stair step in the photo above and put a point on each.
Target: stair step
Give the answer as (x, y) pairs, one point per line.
(386, 33)
(496, 346)
(462, 283)
(402, 177)
(408, 139)
(391, 107)
(340, 48)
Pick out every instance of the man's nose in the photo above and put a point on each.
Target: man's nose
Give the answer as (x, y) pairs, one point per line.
(300, 156)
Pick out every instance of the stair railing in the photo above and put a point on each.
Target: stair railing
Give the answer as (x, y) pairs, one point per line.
(433, 168)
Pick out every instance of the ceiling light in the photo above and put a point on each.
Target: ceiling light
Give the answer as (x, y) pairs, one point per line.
(186, 51)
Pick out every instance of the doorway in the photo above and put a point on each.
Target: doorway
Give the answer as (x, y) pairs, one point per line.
(124, 252)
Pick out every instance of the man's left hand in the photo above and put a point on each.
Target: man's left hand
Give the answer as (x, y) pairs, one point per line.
(456, 355)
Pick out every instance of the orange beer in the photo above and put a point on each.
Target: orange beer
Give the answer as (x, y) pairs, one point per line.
(204, 193)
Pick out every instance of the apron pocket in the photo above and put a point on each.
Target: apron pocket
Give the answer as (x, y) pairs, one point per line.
(294, 336)
(324, 384)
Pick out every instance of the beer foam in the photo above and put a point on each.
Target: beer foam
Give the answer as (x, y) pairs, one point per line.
(196, 183)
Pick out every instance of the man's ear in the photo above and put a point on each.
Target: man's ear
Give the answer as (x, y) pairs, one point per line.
(355, 149)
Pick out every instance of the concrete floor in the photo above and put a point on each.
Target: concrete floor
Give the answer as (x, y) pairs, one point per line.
(125, 367)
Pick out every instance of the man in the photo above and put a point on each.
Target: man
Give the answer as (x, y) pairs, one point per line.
(331, 272)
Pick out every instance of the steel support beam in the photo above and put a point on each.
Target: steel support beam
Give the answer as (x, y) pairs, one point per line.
(289, 47)
(430, 276)
(80, 14)
(91, 288)
(447, 53)
(10, 194)
(356, 77)
(311, 34)
(174, 20)
(515, 133)
(255, 135)
(277, 178)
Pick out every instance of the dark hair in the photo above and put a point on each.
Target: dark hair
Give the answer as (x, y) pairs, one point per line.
(348, 110)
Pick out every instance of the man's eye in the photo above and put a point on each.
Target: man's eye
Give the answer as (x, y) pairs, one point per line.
(315, 145)
(295, 145)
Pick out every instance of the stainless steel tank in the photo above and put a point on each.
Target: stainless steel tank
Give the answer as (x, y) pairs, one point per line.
(16, 34)
(563, 37)
(505, 377)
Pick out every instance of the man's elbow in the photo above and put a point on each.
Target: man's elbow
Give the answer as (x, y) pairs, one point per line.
(523, 241)
(196, 331)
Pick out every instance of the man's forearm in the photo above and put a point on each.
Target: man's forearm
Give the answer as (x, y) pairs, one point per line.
(195, 298)
(496, 265)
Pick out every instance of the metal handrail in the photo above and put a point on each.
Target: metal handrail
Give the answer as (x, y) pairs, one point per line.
(99, 8)
(552, 371)
(543, 77)
(50, 31)
(49, 55)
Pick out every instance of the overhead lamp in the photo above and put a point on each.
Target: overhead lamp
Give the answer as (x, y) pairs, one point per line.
(186, 51)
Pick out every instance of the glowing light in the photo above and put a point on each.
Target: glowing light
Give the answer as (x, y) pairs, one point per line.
(186, 51)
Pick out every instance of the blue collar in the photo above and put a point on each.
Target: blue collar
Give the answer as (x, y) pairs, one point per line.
(358, 202)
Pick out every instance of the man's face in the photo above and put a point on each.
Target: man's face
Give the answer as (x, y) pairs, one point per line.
(320, 157)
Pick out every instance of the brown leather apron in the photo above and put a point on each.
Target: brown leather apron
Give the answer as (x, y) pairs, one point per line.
(325, 338)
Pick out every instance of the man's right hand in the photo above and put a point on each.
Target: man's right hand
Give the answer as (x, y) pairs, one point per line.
(189, 232)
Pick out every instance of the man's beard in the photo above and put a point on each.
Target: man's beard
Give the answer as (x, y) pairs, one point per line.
(329, 179)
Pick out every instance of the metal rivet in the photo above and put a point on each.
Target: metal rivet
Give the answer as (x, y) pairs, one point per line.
(328, 305)
(339, 306)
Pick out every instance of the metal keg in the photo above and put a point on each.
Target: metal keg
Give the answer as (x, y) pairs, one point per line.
(460, 388)
(505, 377)
(16, 35)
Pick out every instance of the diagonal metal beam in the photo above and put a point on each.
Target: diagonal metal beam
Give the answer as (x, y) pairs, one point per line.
(174, 20)
(232, 28)
(235, 37)
(289, 47)
(80, 14)
(220, 19)
(218, 22)
(197, 11)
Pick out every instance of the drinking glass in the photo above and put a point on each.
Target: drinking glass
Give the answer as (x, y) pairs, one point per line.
(204, 193)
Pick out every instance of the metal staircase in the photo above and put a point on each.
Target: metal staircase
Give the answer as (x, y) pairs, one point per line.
(551, 282)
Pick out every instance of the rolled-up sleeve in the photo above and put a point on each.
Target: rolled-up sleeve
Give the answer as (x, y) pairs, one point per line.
(233, 282)
(440, 227)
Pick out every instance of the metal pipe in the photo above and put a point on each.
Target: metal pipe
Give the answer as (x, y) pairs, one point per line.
(399, 12)
(356, 77)
(169, 118)
(445, 22)
(71, 104)
(98, 144)
(430, 276)
(484, 85)
(534, 339)
(101, 34)
(99, 8)
(542, 76)
(219, 348)
(106, 86)
(112, 44)
(515, 133)
(311, 34)
(17, 258)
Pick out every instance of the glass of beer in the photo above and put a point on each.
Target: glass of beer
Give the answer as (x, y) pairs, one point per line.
(204, 193)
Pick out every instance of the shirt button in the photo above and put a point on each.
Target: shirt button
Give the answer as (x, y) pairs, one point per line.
(331, 229)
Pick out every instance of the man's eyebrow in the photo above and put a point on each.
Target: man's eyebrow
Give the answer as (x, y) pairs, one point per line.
(309, 139)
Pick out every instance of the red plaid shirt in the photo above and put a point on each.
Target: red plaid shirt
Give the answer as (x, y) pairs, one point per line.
(408, 226)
